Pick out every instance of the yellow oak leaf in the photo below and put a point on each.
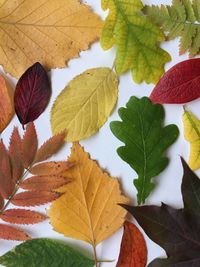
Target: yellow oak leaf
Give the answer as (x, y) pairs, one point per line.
(6, 103)
(48, 31)
(88, 210)
(192, 135)
(85, 104)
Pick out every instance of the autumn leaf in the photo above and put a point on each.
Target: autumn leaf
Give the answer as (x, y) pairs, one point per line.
(51, 32)
(88, 208)
(47, 252)
(192, 135)
(145, 139)
(11, 233)
(85, 104)
(133, 252)
(181, 19)
(175, 230)
(136, 39)
(32, 94)
(180, 84)
(6, 103)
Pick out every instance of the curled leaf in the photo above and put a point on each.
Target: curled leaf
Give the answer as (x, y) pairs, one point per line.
(11, 233)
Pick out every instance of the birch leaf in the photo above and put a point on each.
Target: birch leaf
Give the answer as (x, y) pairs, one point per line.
(50, 32)
(88, 208)
(85, 104)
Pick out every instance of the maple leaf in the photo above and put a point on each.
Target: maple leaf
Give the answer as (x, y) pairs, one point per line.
(145, 141)
(136, 39)
(192, 135)
(88, 208)
(50, 32)
(181, 19)
(85, 104)
(175, 230)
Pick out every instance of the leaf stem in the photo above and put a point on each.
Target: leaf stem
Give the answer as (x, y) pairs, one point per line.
(95, 256)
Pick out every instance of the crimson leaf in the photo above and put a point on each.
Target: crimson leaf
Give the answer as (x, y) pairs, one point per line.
(32, 94)
(175, 230)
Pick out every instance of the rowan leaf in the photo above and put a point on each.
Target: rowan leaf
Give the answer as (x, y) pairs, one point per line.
(88, 208)
(22, 216)
(11, 233)
(133, 252)
(32, 94)
(44, 253)
(175, 230)
(6, 103)
(192, 135)
(1, 202)
(51, 168)
(145, 139)
(50, 32)
(139, 52)
(50, 147)
(181, 19)
(29, 145)
(85, 104)
(15, 154)
(34, 198)
(44, 183)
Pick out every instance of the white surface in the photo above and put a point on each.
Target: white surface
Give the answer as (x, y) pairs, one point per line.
(102, 146)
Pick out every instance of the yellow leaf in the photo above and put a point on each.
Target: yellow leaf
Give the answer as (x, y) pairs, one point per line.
(85, 103)
(6, 104)
(48, 31)
(88, 208)
(192, 135)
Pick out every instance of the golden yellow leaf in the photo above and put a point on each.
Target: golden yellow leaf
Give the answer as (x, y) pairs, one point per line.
(48, 31)
(88, 208)
(85, 104)
(6, 103)
(192, 135)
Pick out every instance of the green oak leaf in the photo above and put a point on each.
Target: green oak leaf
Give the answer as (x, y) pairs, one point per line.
(44, 253)
(145, 139)
(136, 39)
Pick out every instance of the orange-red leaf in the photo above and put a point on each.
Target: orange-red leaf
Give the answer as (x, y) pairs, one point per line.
(11, 233)
(21, 216)
(43, 183)
(1, 202)
(15, 153)
(6, 185)
(133, 251)
(29, 145)
(50, 147)
(51, 168)
(34, 198)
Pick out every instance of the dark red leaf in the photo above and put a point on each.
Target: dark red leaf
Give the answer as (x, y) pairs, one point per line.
(178, 85)
(51, 168)
(133, 252)
(32, 94)
(11, 233)
(1, 202)
(22, 216)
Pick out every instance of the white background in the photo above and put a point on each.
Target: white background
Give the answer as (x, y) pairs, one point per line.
(103, 145)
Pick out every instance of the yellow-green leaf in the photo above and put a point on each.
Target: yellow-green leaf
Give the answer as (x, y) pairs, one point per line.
(136, 39)
(192, 135)
(85, 104)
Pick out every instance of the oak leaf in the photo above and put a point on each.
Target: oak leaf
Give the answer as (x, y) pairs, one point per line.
(50, 32)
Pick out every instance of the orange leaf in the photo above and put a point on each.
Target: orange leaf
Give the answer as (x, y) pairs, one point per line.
(51, 168)
(34, 198)
(21, 216)
(50, 147)
(6, 103)
(42, 183)
(15, 153)
(12, 233)
(133, 252)
(29, 145)
(6, 185)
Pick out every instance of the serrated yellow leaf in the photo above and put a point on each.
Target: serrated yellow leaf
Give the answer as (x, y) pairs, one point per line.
(48, 31)
(85, 104)
(192, 135)
(88, 208)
